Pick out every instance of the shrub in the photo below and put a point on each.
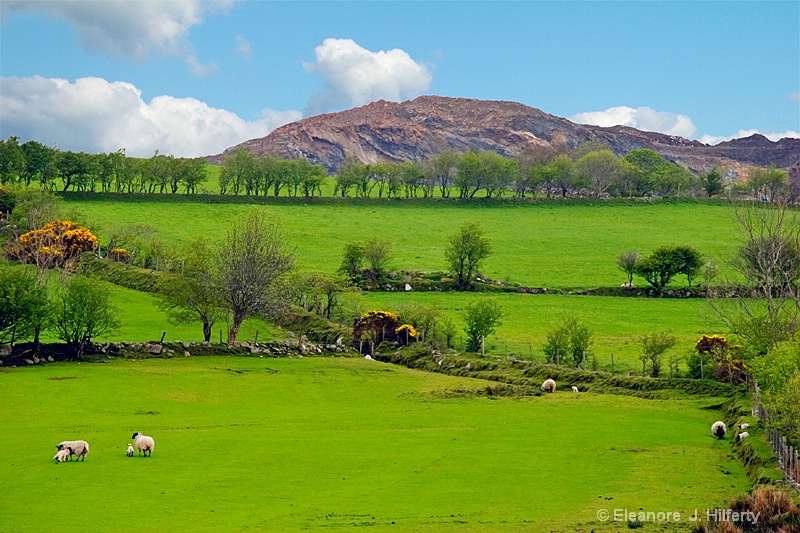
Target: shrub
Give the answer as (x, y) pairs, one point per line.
(54, 244)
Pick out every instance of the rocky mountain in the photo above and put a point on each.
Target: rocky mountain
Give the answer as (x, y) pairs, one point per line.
(423, 127)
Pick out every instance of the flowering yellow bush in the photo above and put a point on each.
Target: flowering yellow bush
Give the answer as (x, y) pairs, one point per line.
(56, 242)
(120, 254)
(412, 331)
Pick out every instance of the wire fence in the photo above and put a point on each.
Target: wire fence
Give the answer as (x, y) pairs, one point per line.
(788, 456)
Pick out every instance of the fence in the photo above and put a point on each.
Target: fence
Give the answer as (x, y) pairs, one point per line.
(786, 454)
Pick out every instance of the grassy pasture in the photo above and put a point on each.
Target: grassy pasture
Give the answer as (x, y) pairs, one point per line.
(617, 322)
(290, 444)
(547, 245)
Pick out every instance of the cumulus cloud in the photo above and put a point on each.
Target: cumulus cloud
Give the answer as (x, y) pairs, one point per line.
(131, 29)
(95, 115)
(355, 76)
(772, 136)
(642, 118)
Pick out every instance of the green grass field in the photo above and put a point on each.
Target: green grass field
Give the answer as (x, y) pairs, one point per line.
(550, 245)
(331, 444)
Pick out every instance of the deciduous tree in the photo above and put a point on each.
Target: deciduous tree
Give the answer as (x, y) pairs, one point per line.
(465, 252)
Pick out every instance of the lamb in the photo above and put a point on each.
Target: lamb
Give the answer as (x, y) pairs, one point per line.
(549, 385)
(62, 454)
(744, 426)
(80, 448)
(743, 435)
(143, 443)
(129, 453)
(718, 429)
(575, 389)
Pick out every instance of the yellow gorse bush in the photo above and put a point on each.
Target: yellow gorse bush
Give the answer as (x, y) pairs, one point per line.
(412, 331)
(58, 241)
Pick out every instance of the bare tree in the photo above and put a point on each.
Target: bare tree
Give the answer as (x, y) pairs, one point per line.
(627, 261)
(251, 260)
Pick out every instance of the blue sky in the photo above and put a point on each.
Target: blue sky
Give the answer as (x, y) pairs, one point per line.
(193, 77)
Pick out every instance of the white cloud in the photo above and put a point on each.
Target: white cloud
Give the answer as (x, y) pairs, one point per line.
(642, 118)
(95, 115)
(243, 46)
(772, 136)
(355, 76)
(131, 29)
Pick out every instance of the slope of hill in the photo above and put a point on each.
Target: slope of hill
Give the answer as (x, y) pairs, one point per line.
(419, 128)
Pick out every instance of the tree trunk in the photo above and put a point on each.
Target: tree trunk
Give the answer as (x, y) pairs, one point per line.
(238, 318)
(207, 331)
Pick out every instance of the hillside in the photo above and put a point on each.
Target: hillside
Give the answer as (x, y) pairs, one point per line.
(419, 128)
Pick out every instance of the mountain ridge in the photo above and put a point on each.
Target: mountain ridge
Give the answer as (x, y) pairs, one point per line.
(420, 128)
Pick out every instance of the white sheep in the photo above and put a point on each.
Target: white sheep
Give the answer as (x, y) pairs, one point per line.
(143, 443)
(549, 385)
(62, 454)
(744, 426)
(80, 448)
(718, 429)
(129, 453)
(575, 389)
(743, 435)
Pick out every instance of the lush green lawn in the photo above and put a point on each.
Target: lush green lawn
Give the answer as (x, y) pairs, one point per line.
(290, 444)
(550, 245)
(617, 322)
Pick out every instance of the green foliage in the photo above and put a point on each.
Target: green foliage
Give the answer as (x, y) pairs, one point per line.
(352, 260)
(377, 255)
(654, 345)
(711, 181)
(32, 207)
(465, 253)
(24, 304)
(82, 311)
(667, 262)
(627, 263)
(768, 184)
(778, 376)
(568, 342)
(481, 318)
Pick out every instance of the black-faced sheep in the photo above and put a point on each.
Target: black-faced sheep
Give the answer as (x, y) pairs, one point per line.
(62, 454)
(129, 453)
(549, 385)
(80, 448)
(718, 429)
(143, 443)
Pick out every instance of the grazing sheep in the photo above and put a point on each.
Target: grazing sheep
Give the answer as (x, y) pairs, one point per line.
(743, 435)
(62, 455)
(718, 429)
(744, 426)
(143, 443)
(80, 448)
(129, 453)
(549, 385)
(575, 389)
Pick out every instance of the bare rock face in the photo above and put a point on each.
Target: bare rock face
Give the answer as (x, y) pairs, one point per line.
(418, 129)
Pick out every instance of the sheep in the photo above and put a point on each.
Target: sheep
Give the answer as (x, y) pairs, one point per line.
(80, 448)
(143, 443)
(575, 389)
(718, 430)
(129, 453)
(62, 454)
(549, 385)
(744, 426)
(743, 435)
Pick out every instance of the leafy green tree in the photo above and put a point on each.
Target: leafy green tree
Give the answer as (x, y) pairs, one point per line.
(445, 169)
(352, 172)
(238, 172)
(82, 311)
(600, 169)
(627, 263)
(469, 175)
(654, 345)
(465, 253)
(481, 318)
(768, 183)
(352, 260)
(39, 162)
(568, 339)
(33, 208)
(712, 181)
(12, 160)
(377, 255)
(250, 261)
(23, 304)
(668, 261)
(560, 173)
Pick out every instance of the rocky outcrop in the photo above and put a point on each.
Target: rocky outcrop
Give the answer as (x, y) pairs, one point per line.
(417, 129)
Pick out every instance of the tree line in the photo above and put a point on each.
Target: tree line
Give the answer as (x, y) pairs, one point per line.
(591, 169)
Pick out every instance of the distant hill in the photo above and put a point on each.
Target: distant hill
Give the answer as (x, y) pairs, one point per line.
(423, 127)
